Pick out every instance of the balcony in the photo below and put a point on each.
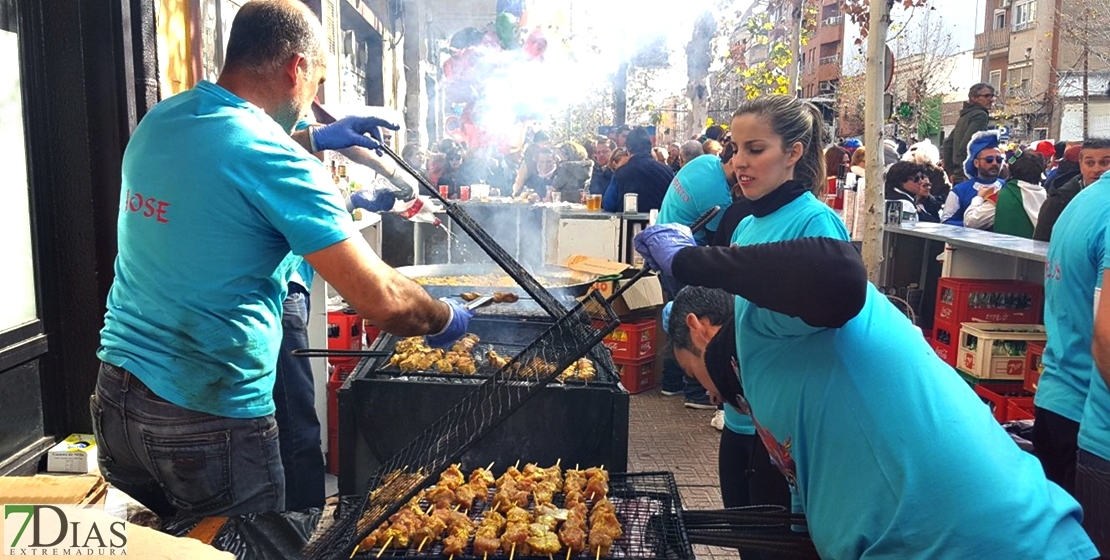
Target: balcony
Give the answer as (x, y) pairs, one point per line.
(834, 59)
(832, 21)
(990, 41)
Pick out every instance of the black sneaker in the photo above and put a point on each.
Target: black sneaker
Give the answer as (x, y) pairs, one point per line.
(701, 405)
(674, 393)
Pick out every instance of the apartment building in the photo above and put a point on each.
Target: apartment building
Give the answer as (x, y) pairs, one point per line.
(1029, 50)
(821, 57)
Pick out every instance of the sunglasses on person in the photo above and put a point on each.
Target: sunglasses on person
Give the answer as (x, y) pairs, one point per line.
(993, 159)
(919, 178)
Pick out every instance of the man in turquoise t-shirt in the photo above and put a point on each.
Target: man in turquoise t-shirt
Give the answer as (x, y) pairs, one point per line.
(890, 453)
(1092, 474)
(216, 195)
(700, 185)
(1072, 274)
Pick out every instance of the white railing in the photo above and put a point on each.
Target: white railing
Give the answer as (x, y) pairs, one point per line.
(834, 59)
(832, 21)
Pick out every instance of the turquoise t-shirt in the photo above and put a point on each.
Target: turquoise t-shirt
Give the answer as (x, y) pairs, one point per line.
(1073, 271)
(737, 422)
(1094, 427)
(697, 187)
(890, 454)
(215, 196)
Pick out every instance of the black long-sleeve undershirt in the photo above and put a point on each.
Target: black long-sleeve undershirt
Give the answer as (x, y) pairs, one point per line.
(820, 280)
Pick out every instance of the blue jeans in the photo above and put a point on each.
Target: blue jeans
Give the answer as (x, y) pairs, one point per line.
(295, 403)
(1092, 490)
(180, 461)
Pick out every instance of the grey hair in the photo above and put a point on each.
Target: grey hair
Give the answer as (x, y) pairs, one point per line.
(267, 33)
(794, 120)
(690, 150)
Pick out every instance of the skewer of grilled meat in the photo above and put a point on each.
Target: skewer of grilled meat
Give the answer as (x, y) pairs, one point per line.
(459, 527)
(516, 532)
(604, 527)
(574, 530)
(487, 538)
(597, 483)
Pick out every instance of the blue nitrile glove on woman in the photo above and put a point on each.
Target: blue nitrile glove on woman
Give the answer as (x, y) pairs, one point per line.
(351, 131)
(456, 326)
(380, 200)
(659, 244)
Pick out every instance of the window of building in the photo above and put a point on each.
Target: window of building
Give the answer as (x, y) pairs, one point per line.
(995, 80)
(1020, 80)
(1000, 19)
(1025, 14)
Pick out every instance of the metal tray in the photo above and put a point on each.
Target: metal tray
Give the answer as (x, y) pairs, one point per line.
(561, 282)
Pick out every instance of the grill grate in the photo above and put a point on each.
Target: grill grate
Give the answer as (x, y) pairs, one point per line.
(491, 402)
(647, 505)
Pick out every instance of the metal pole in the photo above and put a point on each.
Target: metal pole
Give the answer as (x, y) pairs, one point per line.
(1086, 69)
(872, 138)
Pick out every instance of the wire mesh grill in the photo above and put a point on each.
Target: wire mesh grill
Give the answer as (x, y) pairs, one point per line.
(752, 529)
(647, 505)
(491, 402)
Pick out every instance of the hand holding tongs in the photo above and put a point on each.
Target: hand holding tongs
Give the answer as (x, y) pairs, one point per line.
(698, 225)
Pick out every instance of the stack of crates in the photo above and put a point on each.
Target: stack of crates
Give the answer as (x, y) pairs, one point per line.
(996, 351)
(344, 333)
(963, 300)
(633, 346)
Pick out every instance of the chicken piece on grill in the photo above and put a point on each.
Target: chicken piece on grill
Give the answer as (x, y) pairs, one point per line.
(481, 478)
(434, 526)
(452, 477)
(542, 540)
(459, 527)
(584, 370)
(505, 297)
(574, 530)
(464, 497)
(512, 475)
(604, 529)
(497, 361)
(518, 515)
(597, 484)
(509, 498)
(544, 492)
(487, 538)
(574, 498)
(444, 365)
(602, 507)
(375, 537)
(470, 296)
(402, 526)
(516, 531)
(466, 344)
(441, 496)
(466, 366)
(574, 480)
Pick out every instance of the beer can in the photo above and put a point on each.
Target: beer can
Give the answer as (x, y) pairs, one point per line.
(464, 193)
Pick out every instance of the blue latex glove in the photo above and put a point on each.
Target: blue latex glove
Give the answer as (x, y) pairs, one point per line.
(667, 317)
(659, 244)
(380, 200)
(351, 131)
(456, 327)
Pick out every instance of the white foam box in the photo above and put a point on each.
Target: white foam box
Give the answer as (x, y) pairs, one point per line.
(74, 454)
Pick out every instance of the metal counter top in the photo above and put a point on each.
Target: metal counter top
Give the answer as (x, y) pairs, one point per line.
(576, 212)
(974, 239)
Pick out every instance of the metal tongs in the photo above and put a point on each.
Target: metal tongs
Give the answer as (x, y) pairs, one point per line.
(697, 226)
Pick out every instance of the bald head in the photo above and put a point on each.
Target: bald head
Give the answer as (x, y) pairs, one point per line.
(267, 33)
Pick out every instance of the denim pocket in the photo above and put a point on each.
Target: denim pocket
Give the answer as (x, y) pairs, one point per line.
(193, 469)
(103, 450)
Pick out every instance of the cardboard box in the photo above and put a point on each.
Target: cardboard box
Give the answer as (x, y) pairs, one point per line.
(645, 294)
(49, 489)
(74, 454)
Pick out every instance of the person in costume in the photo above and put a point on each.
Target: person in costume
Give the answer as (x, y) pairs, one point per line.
(983, 165)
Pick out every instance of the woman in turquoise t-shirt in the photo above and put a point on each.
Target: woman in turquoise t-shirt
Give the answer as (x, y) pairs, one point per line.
(888, 453)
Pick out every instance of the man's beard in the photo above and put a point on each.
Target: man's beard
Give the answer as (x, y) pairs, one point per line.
(288, 114)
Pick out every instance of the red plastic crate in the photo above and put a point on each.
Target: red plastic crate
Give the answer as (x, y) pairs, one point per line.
(1019, 408)
(338, 375)
(945, 341)
(1034, 351)
(632, 341)
(962, 300)
(638, 376)
(998, 396)
(371, 332)
(344, 332)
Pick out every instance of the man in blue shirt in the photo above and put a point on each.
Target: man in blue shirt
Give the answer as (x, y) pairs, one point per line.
(1073, 273)
(217, 200)
(698, 186)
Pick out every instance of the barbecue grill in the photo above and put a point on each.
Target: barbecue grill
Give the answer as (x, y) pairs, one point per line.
(647, 505)
(381, 409)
